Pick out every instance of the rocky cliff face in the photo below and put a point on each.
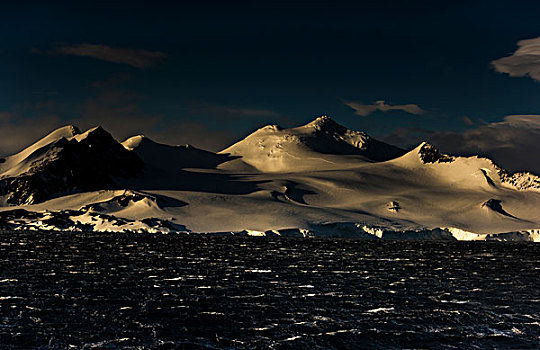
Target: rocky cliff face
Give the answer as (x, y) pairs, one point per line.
(430, 154)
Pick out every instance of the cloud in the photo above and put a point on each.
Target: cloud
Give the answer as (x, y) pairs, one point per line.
(512, 143)
(120, 112)
(524, 62)
(133, 57)
(121, 115)
(365, 110)
(407, 137)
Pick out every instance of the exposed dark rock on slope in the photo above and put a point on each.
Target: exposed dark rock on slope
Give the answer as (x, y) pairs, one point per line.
(85, 162)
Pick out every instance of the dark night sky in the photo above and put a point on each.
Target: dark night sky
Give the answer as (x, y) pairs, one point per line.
(207, 73)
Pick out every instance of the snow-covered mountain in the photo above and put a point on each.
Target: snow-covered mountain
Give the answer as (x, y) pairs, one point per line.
(321, 144)
(63, 162)
(316, 179)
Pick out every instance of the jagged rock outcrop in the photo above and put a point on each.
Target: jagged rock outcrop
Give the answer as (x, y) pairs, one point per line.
(430, 154)
(520, 180)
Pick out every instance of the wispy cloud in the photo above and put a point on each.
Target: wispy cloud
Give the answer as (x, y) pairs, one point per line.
(133, 57)
(120, 111)
(366, 109)
(512, 143)
(524, 62)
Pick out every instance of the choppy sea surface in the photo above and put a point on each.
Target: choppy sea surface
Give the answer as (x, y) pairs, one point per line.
(66, 290)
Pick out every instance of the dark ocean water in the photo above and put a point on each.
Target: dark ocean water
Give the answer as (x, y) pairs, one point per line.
(157, 291)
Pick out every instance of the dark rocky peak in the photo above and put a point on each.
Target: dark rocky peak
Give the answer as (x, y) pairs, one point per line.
(84, 162)
(430, 154)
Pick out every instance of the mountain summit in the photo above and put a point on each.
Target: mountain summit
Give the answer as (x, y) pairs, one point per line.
(313, 146)
(325, 124)
(63, 162)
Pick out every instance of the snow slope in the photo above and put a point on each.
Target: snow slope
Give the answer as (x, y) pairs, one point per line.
(21, 162)
(160, 156)
(317, 179)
